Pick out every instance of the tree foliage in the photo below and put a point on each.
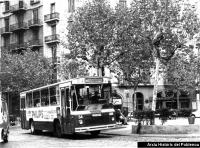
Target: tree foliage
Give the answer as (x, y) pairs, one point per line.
(183, 70)
(25, 71)
(72, 68)
(91, 32)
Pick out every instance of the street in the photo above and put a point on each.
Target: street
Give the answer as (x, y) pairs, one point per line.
(121, 137)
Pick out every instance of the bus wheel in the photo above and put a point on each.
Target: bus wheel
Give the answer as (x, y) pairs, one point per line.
(57, 130)
(32, 129)
(94, 133)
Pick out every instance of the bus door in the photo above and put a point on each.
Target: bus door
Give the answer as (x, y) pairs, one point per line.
(23, 112)
(65, 109)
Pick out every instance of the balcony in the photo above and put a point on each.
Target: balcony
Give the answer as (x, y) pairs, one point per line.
(34, 23)
(35, 43)
(5, 30)
(21, 7)
(52, 39)
(52, 18)
(19, 27)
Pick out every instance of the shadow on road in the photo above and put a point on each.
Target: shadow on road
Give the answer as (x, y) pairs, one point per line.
(81, 136)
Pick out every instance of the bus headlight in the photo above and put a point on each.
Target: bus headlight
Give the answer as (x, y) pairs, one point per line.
(80, 121)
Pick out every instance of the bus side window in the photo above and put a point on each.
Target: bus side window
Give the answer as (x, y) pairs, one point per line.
(67, 97)
(54, 95)
(29, 99)
(36, 98)
(4, 108)
(45, 97)
(22, 103)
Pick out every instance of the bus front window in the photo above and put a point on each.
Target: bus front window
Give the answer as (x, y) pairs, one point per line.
(86, 95)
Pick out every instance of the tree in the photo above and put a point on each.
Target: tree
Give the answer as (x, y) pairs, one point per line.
(182, 71)
(25, 71)
(163, 27)
(91, 32)
(128, 37)
(133, 61)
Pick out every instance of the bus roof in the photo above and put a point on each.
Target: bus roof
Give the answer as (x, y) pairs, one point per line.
(81, 80)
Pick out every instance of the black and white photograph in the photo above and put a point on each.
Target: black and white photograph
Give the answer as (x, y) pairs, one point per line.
(99, 73)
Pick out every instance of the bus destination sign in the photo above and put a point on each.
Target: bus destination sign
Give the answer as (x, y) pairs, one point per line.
(93, 80)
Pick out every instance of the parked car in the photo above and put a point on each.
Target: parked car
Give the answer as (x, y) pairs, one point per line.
(4, 121)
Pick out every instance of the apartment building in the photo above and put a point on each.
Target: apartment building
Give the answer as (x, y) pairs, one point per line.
(35, 24)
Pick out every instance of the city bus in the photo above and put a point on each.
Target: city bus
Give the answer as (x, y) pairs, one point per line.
(69, 107)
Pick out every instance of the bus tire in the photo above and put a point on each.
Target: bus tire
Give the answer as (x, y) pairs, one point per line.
(4, 136)
(32, 127)
(95, 133)
(57, 130)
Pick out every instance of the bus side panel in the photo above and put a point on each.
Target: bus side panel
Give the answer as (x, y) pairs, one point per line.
(43, 125)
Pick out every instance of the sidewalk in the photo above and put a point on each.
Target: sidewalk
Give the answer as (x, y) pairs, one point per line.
(127, 130)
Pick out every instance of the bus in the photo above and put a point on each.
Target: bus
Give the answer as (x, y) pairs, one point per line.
(69, 107)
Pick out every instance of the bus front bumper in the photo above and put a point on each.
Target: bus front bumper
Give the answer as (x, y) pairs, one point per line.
(95, 128)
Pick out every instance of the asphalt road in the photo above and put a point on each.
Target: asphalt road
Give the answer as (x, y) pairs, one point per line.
(121, 137)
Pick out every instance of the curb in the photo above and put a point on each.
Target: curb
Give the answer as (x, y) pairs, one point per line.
(169, 135)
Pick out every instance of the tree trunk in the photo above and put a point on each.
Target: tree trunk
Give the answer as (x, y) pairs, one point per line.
(178, 104)
(155, 89)
(134, 100)
(198, 103)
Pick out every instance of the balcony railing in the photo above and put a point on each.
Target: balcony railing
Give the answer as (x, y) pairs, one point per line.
(55, 38)
(52, 17)
(20, 7)
(34, 23)
(19, 26)
(5, 30)
(35, 43)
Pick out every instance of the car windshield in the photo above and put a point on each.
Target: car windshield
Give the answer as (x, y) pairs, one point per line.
(85, 96)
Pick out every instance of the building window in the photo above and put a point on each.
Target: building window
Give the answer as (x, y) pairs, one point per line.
(35, 16)
(53, 29)
(7, 6)
(6, 41)
(71, 5)
(52, 8)
(7, 24)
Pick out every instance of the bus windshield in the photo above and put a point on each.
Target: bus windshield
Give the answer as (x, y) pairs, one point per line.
(84, 96)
